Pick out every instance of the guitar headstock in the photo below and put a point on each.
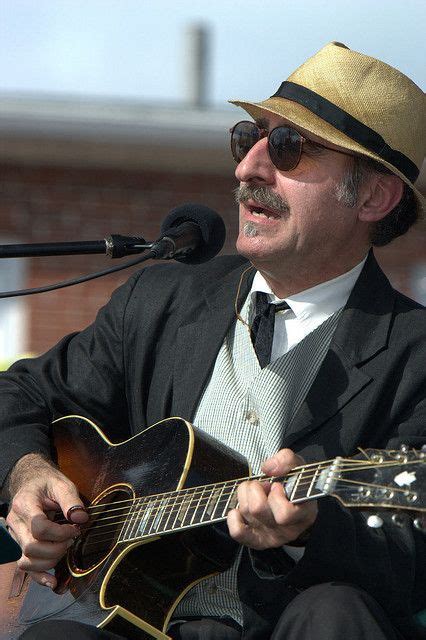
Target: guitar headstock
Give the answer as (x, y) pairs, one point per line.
(381, 479)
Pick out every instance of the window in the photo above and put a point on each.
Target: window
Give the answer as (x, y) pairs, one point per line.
(12, 310)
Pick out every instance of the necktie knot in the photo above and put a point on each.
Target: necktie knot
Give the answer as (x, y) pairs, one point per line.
(262, 329)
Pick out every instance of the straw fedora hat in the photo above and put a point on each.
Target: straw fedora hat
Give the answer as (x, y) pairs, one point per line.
(357, 103)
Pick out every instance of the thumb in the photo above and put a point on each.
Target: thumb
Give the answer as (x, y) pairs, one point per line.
(64, 493)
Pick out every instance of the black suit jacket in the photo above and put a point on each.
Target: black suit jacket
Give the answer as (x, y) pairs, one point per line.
(148, 356)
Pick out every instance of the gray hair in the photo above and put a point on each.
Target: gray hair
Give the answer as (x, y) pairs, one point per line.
(398, 220)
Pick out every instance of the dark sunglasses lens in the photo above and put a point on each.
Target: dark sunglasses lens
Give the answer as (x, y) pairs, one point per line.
(243, 137)
(285, 148)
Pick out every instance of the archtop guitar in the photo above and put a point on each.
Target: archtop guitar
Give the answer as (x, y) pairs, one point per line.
(157, 503)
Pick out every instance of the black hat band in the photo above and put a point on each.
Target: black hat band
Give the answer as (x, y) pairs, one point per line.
(348, 125)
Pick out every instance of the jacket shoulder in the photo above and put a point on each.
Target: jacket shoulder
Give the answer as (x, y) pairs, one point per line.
(179, 274)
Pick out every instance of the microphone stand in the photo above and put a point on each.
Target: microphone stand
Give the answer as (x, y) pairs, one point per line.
(174, 243)
(114, 246)
(30, 250)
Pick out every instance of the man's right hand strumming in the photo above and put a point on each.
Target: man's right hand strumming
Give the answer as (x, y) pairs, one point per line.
(38, 489)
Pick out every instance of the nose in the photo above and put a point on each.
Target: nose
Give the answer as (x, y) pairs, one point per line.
(256, 166)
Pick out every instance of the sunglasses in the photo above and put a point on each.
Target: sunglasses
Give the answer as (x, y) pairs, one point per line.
(284, 143)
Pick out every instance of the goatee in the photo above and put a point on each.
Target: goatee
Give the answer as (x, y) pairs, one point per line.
(250, 230)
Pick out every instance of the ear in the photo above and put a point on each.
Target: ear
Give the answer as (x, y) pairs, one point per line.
(381, 194)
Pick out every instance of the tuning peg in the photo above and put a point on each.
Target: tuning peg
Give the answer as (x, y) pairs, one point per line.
(398, 519)
(420, 523)
(374, 521)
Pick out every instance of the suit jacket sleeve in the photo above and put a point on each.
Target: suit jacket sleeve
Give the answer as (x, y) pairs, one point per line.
(389, 562)
(83, 374)
(370, 392)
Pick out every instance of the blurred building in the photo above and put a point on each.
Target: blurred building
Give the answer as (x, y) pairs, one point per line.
(83, 169)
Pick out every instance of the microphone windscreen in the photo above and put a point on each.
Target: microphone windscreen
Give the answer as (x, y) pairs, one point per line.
(211, 226)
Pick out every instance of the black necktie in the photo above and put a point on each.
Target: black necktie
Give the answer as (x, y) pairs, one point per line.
(262, 329)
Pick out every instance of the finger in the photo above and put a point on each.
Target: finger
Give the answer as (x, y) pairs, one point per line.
(28, 520)
(65, 494)
(45, 551)
(254, 507)
(236, 524)
(281, 462)
(243, 533)
(44, 530)
(283, 511)
(292, 517)
(44, 578)
(77, 514)
(36, 564)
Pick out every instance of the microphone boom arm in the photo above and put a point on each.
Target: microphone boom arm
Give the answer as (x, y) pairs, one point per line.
(114, 246)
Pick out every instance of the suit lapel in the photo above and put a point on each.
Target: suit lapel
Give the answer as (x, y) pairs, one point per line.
(361, 334)
(198, 342)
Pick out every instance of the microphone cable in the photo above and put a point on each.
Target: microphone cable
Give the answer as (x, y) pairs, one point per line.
(190, 233)
(69, 283)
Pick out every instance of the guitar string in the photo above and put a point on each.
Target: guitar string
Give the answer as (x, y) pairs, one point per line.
(294, 472)
(192, 493)
(182, 525)
(188, 493)
(155, 507)
(101, 507)
(154, 512)
(192, 514)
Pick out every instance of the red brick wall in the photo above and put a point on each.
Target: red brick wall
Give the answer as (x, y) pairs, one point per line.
(58, 205)
(46, 204)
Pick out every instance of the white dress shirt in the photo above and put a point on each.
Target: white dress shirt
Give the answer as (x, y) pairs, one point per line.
(308, 309)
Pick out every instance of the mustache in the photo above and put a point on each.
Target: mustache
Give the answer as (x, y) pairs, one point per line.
(264, 196)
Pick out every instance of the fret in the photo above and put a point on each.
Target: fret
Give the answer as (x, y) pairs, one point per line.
(143, 521)
(171, 507)
(222, 499)
(232, 500)
(156, 515)
(214, 500)
(190, 508)
(199, 507)
(166, 512)
(181, 504)
(205, 515)
(127, 529)
(143, 516)
(293, 492)
(313, 482)
(211, 501)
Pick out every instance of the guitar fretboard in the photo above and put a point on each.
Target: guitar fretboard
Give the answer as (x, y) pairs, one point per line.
(186, 508)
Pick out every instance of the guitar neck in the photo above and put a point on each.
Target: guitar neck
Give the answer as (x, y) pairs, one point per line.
(384, 479)
(202, 505)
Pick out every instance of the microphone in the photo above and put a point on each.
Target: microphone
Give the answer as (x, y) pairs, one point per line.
(191, 233)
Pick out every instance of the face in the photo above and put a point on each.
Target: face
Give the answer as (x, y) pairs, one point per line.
(300, 225)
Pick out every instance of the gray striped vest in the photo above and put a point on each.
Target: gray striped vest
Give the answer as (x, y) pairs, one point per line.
(249, 409)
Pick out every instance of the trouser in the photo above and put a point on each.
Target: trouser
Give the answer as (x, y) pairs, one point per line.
(331, 611)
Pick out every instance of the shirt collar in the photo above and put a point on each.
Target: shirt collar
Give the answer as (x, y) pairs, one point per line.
(322, 300)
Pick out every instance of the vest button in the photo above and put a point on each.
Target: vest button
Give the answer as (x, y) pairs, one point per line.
(252, 417)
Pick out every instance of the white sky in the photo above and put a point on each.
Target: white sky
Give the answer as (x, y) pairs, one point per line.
(136, 48)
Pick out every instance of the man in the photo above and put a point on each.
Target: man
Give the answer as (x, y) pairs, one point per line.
(326, 170)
